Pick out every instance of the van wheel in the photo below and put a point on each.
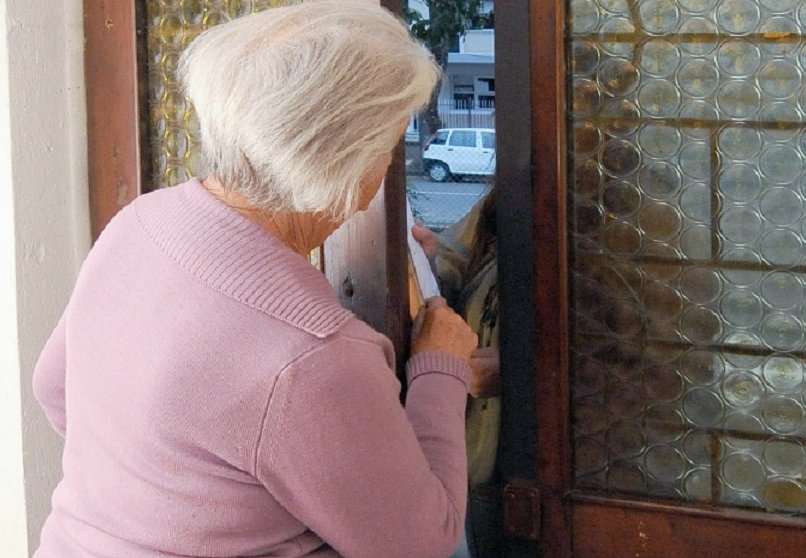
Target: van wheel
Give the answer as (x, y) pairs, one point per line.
(438, 172)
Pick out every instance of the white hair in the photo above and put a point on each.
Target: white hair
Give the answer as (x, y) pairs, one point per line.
(297, 104)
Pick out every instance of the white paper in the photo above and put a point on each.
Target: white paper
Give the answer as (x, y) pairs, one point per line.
(422, 267)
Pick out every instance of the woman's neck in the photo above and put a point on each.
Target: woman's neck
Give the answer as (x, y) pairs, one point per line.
(302, 232)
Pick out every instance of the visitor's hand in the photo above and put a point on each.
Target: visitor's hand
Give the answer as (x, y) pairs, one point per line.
(428, 239)
(486, 379)
(444, 330)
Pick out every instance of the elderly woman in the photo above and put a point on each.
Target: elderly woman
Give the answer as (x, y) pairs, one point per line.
(214, 397)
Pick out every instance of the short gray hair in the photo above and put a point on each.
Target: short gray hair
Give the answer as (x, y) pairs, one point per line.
(296, 104)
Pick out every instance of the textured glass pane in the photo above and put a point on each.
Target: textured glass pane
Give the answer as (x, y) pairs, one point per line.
(172, 25)
(687, 237)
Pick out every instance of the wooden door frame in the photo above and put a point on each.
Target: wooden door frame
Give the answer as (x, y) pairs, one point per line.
(516, 243)
(117, 106)
(551, 282)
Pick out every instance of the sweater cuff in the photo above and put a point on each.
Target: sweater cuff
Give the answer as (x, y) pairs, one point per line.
(438, 363)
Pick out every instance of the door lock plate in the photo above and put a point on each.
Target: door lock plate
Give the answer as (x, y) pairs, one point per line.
(522, 510)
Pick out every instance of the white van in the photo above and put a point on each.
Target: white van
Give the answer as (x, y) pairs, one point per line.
(460, 152)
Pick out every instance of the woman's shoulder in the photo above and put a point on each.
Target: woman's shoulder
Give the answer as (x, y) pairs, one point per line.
(356, 331)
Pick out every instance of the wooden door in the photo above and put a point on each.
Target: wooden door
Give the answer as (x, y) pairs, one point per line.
(669, 244)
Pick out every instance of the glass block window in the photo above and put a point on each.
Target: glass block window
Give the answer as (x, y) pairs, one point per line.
(172, 25)
(687, 247)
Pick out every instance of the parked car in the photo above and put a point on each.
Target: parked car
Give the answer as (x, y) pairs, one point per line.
(460, 152)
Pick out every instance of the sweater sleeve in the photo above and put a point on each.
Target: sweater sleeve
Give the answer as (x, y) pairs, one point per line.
(48, 380)
(370, 478)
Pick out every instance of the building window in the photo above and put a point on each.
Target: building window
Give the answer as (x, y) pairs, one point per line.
(485, 85)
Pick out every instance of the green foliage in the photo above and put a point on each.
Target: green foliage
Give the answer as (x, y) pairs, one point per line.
(448, 20)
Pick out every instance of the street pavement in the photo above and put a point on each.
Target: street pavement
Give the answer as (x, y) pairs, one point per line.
(440, 204)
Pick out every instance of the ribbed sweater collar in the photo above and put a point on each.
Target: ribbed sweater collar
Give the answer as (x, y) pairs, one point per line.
(236, 257)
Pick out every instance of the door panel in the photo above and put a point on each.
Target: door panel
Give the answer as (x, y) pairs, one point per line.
(685, 246)
(686, 240)
(625, 529)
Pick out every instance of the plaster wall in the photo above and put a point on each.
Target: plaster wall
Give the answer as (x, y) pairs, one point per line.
(44, 236)
(478, 41)
(13, 524)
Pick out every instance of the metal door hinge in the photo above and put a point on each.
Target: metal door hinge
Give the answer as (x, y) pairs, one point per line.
(522, 510)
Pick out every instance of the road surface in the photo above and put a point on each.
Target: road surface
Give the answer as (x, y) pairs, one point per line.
(440, 204)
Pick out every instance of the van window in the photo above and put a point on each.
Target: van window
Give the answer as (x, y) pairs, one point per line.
(440, 139)
(488, 140)
(462, 138)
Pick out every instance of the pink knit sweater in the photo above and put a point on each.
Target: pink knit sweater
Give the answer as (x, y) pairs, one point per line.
(216, 400)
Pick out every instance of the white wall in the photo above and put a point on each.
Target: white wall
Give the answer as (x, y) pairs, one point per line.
(13, 524)
(44, 235)
(478, 41)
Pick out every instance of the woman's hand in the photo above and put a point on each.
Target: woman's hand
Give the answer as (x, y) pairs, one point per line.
(444, 330)
(486, 379)
(428, 239)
